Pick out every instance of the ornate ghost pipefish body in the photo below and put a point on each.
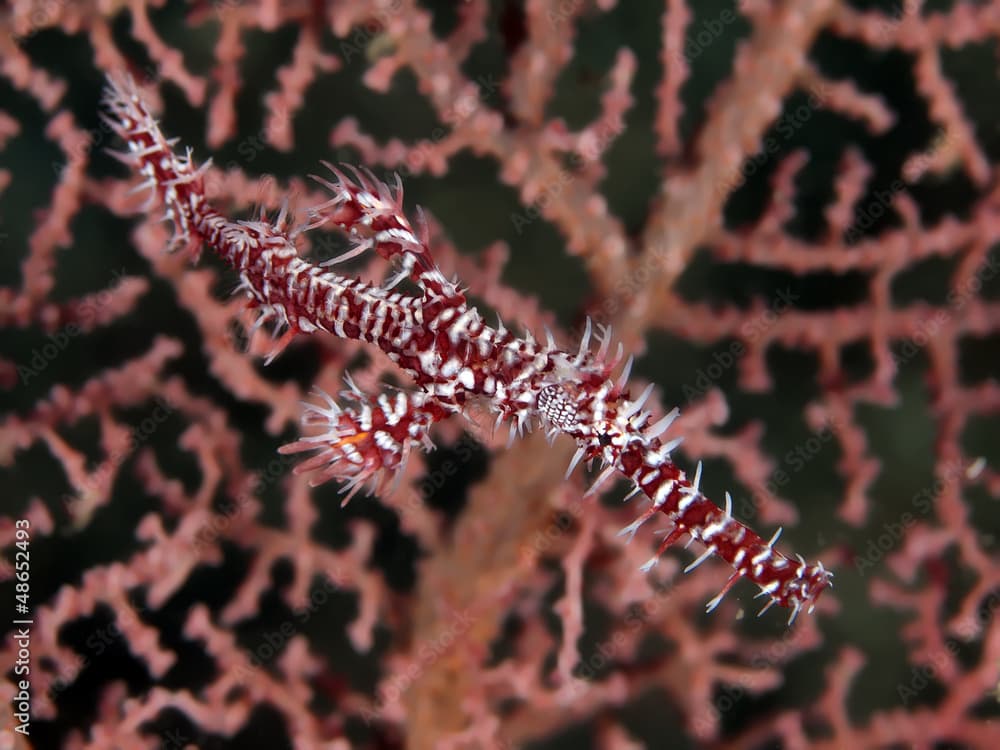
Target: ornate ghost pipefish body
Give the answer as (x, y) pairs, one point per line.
(449, 352)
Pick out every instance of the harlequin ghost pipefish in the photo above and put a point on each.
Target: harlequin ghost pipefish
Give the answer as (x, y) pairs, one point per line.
(451, 354)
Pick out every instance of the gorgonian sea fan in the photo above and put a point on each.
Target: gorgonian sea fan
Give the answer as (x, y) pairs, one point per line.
(445, 346)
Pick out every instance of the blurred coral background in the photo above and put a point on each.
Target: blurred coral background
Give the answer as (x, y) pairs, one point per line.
(789, 211)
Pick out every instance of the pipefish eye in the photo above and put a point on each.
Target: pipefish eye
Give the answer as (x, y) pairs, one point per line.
(557, 406)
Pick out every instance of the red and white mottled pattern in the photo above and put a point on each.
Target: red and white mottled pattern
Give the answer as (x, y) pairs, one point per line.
(450, 353)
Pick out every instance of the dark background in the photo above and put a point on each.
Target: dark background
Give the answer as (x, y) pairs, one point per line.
(476, 209)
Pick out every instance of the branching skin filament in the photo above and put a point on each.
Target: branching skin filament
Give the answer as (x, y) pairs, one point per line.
(448, 350)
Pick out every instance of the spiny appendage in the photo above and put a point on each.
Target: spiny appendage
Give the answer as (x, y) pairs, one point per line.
(568, 385)
(295, 295)
(580, 396)
(618, 431)
(789, 583)
(174, 179)
(367, 440)
(273, 318)
(371, 214)
(444, 344)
